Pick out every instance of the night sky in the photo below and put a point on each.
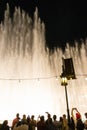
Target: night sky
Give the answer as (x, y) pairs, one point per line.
(65, 21)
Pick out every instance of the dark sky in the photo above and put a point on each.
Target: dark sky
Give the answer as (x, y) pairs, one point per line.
(65, 20)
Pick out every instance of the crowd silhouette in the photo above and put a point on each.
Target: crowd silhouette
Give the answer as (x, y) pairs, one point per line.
(50, 123)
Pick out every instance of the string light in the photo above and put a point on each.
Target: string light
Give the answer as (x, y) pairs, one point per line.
(41, 78)
(38, 79)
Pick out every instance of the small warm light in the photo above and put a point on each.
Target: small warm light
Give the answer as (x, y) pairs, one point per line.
(64, 81)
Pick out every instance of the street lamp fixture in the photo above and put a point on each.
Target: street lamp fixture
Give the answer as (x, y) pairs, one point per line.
(65, 83)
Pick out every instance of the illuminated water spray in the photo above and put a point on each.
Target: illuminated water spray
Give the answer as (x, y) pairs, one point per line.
(28, 72)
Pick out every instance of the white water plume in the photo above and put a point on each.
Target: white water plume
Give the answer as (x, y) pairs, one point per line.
(28, 71)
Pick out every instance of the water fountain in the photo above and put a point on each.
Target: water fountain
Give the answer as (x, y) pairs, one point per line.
(28, 72)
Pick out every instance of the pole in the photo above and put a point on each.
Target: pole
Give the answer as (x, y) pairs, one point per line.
(68, 115)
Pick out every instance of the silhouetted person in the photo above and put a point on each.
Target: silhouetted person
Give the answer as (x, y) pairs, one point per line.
(24, 119)
(41, 125)
(65, 122)
(5, 126)
(33, 123)
(79, 123)
(15, 120)
(55, 122)
(48, 118)
(28, 122)
(60, 127)
(72, 124)
(85, 122)
(49, 123)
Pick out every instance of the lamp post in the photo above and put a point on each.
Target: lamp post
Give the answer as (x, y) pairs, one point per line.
(64, 83)
(68, 73)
